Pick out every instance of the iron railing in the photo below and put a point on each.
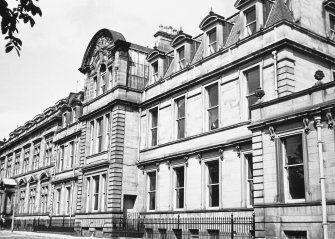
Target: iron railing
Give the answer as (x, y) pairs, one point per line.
(52, 224)
(186, 227)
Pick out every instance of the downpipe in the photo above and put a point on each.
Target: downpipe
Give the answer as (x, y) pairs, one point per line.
(322, 177)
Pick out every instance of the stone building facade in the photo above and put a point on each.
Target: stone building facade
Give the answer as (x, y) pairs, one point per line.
(238, 119)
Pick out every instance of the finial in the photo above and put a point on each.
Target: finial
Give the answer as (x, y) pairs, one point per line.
(211, 11)
(180, 30)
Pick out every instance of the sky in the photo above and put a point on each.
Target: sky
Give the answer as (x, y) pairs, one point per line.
(52, 50)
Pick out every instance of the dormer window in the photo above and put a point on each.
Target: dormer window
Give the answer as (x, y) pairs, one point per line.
(155, 71)
(212, 42)
(250, 20)
(181, 58)
(332, 26)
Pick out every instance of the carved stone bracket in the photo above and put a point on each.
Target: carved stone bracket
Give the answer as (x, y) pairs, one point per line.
(221, 151)
(199, 157)
(272, 133)
(330, 120)
(169, 164)
(157, 166)
(142, 168)
(186, 157)
(306, 125)
(238, 151)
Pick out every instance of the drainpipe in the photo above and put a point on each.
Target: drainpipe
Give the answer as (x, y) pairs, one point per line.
(322, 178)
(274, 53)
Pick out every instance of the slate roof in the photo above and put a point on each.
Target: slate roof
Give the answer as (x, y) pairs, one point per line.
(279, 12)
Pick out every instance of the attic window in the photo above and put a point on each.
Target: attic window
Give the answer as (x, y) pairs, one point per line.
(155, 71)
(250, 20)
(212, 46)
(332, 26)
(181, 58)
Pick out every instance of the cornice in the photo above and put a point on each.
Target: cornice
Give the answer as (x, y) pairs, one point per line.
(233, 142)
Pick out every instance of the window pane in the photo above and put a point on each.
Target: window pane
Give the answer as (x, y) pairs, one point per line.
(154, 137)
(181, 128)
(181, 53)
(250, 15)
(152, 201)
(154, 118)
(293, 147)
(214, 196)
(296, 182)
(253, 79)
(213, 172)
(332, 22)
(213, 118)
(181, 108)
(152, 181)
(179, 177)
(180, 198)
(213, 96)
(212, 37)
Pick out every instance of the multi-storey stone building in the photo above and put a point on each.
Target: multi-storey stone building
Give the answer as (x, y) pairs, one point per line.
(238, 119)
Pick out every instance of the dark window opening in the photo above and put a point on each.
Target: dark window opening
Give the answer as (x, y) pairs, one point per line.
(213, 183)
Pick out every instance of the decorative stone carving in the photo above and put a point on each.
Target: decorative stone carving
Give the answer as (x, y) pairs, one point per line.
(221, 151)
(186, 157)
(330, 120)
(306, 125)
(199, 156)
(238, 151)
(272, 133)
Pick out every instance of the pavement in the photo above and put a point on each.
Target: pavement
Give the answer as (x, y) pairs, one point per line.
(37, 235)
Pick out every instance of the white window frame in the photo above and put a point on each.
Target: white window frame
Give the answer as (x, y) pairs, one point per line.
(58, 201)
(284, 176)
(72, 152)
(68, 190)
(206, 162)
(99, 134)
(153, 128)
(102, 193)
(211, 49)
(155, 73)
(148, 189)
(246, 25)
(181, 61)
(176, 119)
(245, 90)
(174, 183)
(207, 108)
(92, 128)
(107, 125)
